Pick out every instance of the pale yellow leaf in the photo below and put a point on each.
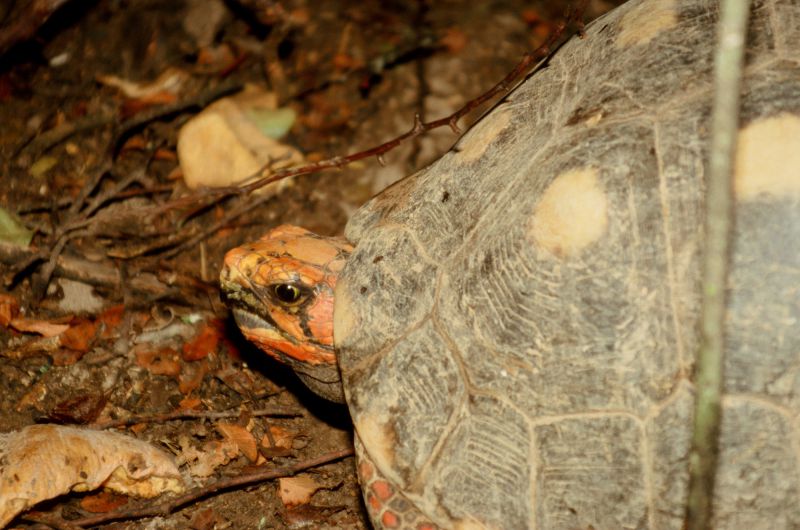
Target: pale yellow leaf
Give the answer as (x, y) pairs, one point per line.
(43, 461)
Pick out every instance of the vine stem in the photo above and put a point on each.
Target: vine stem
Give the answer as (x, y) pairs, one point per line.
(728, 66)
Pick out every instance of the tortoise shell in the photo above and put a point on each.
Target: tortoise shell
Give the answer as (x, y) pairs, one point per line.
(516, 327)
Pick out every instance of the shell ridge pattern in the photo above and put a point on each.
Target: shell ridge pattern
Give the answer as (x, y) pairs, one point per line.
(648, 472)
(533, 372)
(550, 419)
(668, 247)
(761, 401)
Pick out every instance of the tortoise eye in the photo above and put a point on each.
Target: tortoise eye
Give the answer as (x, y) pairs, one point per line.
(287, 293)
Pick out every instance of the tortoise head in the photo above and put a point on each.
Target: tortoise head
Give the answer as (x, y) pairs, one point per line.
(280, 289)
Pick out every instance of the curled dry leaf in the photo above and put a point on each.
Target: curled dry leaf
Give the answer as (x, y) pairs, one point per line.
(40, 327)
(43, 461)
(215, 453)
(233, 138)
(283, 438)
(243, 439)
(171, 82)
(297, 490)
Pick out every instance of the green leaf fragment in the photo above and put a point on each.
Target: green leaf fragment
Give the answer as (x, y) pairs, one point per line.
(273, 123)
(12, 230)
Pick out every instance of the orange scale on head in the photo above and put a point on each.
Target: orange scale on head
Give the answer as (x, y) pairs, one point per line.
(320, 318)
(272, 342)
(288, 322)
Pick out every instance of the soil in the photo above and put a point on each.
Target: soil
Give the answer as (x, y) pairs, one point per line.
(93, 172)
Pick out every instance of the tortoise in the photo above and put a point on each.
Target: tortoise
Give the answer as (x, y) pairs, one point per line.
(515, 326)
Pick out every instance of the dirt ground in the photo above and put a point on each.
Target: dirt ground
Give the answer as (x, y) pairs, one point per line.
(125, 257)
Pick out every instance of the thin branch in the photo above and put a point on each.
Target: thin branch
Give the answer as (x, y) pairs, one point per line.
(195, 414)
(266, 175)
(232, 215)
(34, 15)
(168, 506)
(719, 228)
(201, 100)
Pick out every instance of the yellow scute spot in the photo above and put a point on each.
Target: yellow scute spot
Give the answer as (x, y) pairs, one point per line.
(378, 439)
(343, 318)
(474, 143)
(768, 158)
(645, 21)
(572, 213)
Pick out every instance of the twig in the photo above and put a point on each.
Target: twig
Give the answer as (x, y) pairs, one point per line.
(28, 23)
(49, 522)
(719, 224)
(199, 101)
(266, 176)
(215, 227)
(58, 134)
(194, 414)
(93, 273)
(168, 506)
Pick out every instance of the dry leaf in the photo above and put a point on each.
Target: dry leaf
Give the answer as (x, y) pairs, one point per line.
(243, 439)
(110, 319)
(81, 409)
(65, 356)
(79, 337)
(204, 343)
(227, 143)
(190, 403)
(165, 361)
(454, 40)
(42, 327)
(103, 502)
(9, 309)
(170, 82)
(192, 376)
(214, 454)
(283, 437)
(206, 520)
(43, 461)
(297, 490)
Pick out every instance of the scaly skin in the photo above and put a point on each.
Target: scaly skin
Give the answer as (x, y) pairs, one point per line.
(300, 333)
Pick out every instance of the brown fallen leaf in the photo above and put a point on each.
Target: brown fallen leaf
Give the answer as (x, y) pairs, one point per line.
(454, 40)
(43, 461)
(215, 453)
(103, 502)
(165, 361)
(297, 490)
(243, 439)
(283, 438)
(204, 343)
(109, 319)
(41, 327)
(9, 309)
(79, 336)
(192, 376)
(190, 403)
(81, 409)
(205, 520)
